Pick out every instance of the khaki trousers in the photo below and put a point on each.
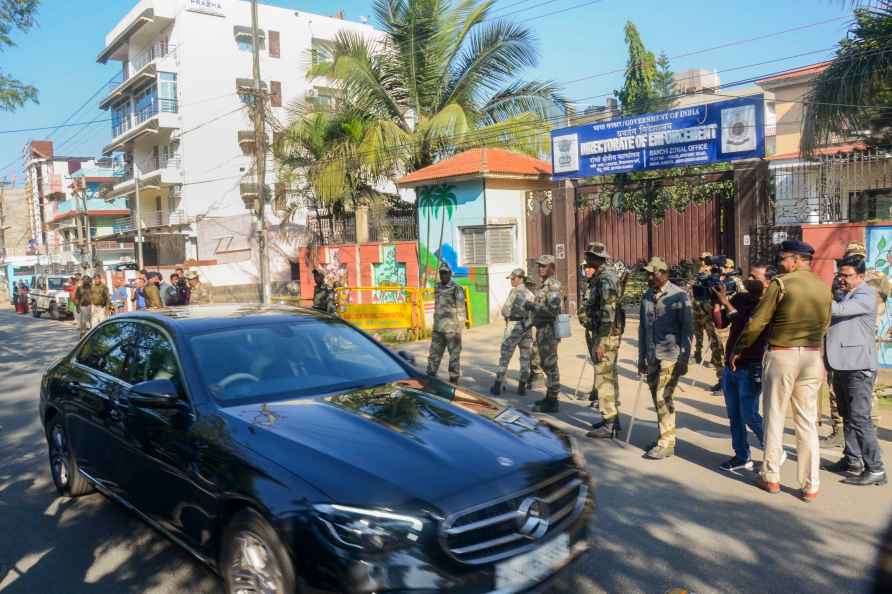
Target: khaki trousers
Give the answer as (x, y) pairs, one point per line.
(85, 319)
(793, 375)
(98, 315)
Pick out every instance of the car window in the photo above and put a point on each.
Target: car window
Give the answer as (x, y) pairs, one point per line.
(110, 350)
(154, 358)
(56, 284)
(266, 362)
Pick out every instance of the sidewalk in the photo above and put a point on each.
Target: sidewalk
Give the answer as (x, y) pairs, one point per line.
(681, 522)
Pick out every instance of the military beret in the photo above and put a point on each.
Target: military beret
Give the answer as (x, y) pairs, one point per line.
(794, 246)
(545, 260)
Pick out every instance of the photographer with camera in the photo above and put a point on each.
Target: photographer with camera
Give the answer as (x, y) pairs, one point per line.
(742, 376)
(709, 276)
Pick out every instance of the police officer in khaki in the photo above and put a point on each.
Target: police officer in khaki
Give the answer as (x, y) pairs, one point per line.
(664, 349)
(199, 293)
(449, 322)
(518, 333)
(795, 313)
(606, 331)
(545, 310)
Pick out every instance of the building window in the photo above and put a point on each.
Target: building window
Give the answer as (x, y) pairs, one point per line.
(487, 245)
(120, 119)
(868, 205)
(275, 93)
(146, 104)
(167, 92)
(275, 45)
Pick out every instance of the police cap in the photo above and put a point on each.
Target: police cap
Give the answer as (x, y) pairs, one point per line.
(855, 248)
(794, 246)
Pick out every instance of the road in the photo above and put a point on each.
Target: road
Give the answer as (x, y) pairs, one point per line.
(678, 523)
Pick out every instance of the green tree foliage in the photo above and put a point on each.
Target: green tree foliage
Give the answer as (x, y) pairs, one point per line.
(443, 78)
(853, 96)
(15, 15)
(649, 87)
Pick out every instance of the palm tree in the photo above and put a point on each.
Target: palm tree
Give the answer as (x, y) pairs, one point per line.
(443, 200)
(854, 93)
(442, 77)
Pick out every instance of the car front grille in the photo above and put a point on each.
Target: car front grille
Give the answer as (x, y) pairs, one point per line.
(512, 525)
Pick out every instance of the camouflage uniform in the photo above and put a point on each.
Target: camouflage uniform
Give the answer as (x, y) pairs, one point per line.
(449, 321)
(602, 313)
(518, 333)
(200, 295)
(324, 299)
(545, 310)
(703, 323)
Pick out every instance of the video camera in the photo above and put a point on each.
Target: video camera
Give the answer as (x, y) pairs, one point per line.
(716, 277)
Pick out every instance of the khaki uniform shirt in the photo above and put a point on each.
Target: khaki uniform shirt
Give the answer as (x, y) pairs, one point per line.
(795, 309)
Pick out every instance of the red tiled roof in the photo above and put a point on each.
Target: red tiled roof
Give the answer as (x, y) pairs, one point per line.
(90, 213)
(810, 69)
(849, 147)
(481, 162)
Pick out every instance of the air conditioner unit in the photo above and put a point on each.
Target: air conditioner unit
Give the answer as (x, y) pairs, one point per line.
(311, 94)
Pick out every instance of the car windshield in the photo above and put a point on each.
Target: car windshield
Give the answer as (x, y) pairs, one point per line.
(258, 363)
(55, 284)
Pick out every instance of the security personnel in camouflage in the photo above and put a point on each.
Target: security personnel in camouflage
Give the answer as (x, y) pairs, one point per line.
(518, 333)
(449, 321)
(880, 282)
(323, 295)
(664, 348)
(545, 310)
(703, 323)
(607, 329)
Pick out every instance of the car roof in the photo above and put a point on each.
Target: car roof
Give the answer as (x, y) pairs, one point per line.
(198, 319)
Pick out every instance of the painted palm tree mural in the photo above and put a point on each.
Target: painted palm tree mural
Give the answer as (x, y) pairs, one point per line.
(436, 202)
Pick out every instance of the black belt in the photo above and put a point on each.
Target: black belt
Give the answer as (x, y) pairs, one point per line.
(517, 319)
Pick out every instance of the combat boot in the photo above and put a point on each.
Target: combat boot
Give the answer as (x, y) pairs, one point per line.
(698, 357)
(660, 452)
(549, 404)
(496, 388)
(605, 429)
(834, 440)
(521, 388)
(593, 400)
(454, 379)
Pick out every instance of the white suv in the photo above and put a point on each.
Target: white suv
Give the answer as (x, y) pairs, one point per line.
(48, 295)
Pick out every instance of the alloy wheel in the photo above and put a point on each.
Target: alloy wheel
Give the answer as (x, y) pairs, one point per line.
(255, 569)
(59, 456)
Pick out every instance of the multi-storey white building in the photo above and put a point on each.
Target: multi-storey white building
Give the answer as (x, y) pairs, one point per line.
(179, 115)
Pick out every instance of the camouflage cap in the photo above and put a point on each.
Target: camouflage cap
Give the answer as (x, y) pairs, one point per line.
(444, 267)
(545, 260)
(656, 264)
(191, 274)
(729, 263)
(855, 248)
(705, 255)
(598, 250)
(516, 273)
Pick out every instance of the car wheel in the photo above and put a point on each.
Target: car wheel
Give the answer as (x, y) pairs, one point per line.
(253, 558)
(54, 312)
(34, 310)
(63, 465)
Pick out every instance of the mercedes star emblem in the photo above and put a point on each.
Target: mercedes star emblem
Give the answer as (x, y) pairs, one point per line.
(532, 518)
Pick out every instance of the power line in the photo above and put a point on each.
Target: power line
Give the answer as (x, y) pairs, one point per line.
(102, 87)
(561, 11)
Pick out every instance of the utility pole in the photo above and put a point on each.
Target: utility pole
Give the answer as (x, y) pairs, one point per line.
(138, 215)
(91, 256)
(260, 158)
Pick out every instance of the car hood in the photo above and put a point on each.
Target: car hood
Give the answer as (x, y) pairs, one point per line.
(400, 444)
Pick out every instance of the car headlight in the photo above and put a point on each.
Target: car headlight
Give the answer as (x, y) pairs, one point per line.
(368, 529)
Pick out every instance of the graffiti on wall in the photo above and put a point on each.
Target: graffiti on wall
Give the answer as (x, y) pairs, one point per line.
(436, 206)
(388, 273)
(879, 259)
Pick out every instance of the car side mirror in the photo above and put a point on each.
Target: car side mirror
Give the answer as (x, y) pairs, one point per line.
(407, 356)
(155, 394)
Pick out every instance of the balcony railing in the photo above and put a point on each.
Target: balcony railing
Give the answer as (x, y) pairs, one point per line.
(158, 106)
(150, 220)
(112, 245)
(159, 50)
(121, 126)
(124, 173)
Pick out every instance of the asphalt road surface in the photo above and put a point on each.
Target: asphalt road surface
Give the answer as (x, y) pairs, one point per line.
(678, 523)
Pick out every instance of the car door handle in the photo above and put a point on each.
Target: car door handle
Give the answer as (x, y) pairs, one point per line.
(115, 414)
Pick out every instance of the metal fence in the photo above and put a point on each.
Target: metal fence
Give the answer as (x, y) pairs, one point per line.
(843, 188)
(330, 230)
(393, 227)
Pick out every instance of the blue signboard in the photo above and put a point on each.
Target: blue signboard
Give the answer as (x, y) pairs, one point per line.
(696, 135)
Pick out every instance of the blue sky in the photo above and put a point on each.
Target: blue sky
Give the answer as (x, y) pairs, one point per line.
(59, 56)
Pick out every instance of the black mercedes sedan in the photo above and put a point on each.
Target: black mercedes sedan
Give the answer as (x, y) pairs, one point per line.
(293, 453)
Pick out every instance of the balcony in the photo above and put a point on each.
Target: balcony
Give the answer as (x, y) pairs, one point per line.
(153, 219)
(160, 171)
(108, 246)
(147, 19)
(149, 119)
(143, 67)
